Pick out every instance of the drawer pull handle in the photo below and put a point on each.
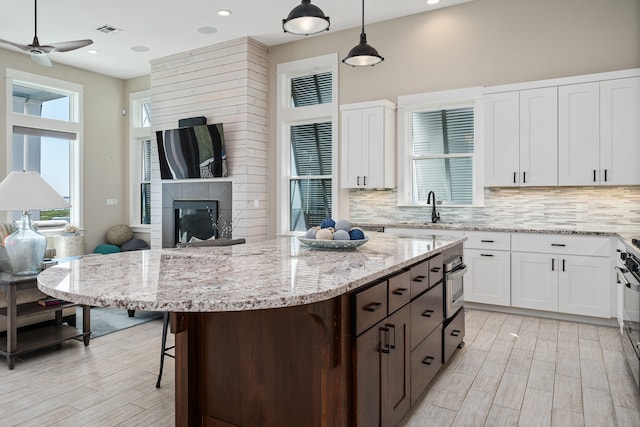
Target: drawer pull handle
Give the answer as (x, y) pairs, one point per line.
(560, 245)
(419, 278)
(384, 340)
(427, 360)
(435, 270)
(486, 255)
(487, 241)
(400, 291)
(455, 333)
(427, 313)
(392, 346)
(373, 306)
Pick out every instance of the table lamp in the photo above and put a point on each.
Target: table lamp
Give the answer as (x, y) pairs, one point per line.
(25, 191)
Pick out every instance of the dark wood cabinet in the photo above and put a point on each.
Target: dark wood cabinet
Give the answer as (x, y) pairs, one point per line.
(426, 361)
(382, 371)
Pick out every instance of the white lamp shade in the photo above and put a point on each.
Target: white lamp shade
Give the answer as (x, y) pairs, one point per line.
(27, 190)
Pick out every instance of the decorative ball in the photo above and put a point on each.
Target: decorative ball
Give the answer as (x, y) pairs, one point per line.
(356, 234)
(327, 222)
(343, 224)
(341, 235)
(118, 234)
(324, 234)
(311, 233)
(134, 245)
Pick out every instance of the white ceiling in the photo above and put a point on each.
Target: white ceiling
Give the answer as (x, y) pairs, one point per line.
(170, 26)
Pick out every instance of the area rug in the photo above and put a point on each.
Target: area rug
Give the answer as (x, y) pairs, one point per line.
(107, 320)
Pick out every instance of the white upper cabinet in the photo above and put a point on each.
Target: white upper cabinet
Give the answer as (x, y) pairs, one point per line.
(368, 145)
(620, 131)
(579, 134)
(539, 137)
(582, 130)
(502, 127)
(522, 139)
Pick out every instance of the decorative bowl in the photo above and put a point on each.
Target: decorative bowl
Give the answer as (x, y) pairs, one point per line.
(333, 244)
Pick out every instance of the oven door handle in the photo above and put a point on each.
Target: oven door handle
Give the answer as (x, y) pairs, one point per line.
(632, 284)
(458, 272)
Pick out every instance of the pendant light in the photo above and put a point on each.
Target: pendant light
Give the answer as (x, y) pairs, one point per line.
(305, 19)
(363, 54)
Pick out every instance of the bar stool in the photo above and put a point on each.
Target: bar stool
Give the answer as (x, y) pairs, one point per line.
(164, 350)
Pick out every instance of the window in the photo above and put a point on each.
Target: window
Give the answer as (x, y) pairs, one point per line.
(140, 159)
(45, 125)
(307, 142)
(440, 146)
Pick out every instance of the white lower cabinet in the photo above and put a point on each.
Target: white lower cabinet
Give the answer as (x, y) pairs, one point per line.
(566, 283)
(534, 281)
(488, 279)
(582, 288)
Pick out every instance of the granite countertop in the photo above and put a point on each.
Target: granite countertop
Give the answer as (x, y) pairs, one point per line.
(624, 236)
(274, 273)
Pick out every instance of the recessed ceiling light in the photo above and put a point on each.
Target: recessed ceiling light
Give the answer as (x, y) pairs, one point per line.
(432, 2)
(224, 12)
(92, 51)
(207, 30)
(140, 49)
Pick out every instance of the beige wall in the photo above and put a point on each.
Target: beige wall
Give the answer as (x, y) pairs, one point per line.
(485, 42)
(104, 162)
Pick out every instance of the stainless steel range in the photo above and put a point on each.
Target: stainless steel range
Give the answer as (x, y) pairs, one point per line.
(629, 277)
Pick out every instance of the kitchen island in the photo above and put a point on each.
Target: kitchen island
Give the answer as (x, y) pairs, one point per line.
(264, 331)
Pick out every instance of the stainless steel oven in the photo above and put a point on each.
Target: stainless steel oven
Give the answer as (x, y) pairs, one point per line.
(629, 277)
(454, 270)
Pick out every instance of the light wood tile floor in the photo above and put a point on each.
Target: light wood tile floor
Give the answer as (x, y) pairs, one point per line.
(513, 370)
(524, 371)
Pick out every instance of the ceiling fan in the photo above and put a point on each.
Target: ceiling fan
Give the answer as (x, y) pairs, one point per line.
(40, 53)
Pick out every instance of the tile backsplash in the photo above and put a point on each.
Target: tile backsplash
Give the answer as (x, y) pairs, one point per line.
(615, 209)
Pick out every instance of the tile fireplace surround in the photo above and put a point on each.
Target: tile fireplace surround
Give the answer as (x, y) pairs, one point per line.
(220, 190)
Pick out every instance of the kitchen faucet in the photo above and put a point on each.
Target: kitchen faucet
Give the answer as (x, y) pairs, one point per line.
(435, 216)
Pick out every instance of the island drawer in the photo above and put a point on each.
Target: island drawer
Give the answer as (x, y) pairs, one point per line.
(419, 278)
(399, 291)
(426, 361)
(426, 314)
(453, 335)
(370, 306)
(483, 240)
(435, 269)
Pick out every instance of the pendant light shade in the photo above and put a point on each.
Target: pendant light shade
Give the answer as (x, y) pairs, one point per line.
(305, 19)
(363, 54)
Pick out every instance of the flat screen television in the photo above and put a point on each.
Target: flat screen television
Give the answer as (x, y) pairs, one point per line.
(192, 152)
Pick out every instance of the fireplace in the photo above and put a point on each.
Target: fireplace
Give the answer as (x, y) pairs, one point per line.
(195, 220)
(207, 206)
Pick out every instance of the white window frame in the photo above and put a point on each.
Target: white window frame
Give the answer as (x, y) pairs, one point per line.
(137, 134)
(74, 125)
(287, 116)
(443, 100)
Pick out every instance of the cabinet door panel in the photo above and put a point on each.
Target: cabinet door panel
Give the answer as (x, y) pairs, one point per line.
(585, 286)
(534, 281)
(373, 151)
(488, 280)
(398, 366)
(502, 139)
(578, 134)
(620, 131)
(370, 379)
(539, 137)
(352, 144)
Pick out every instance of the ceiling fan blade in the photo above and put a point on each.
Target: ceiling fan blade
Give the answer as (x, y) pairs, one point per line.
(67, 46)
(41, 59)
(24, 47)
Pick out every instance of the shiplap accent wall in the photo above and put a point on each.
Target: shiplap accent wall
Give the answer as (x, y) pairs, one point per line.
(226, 83)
